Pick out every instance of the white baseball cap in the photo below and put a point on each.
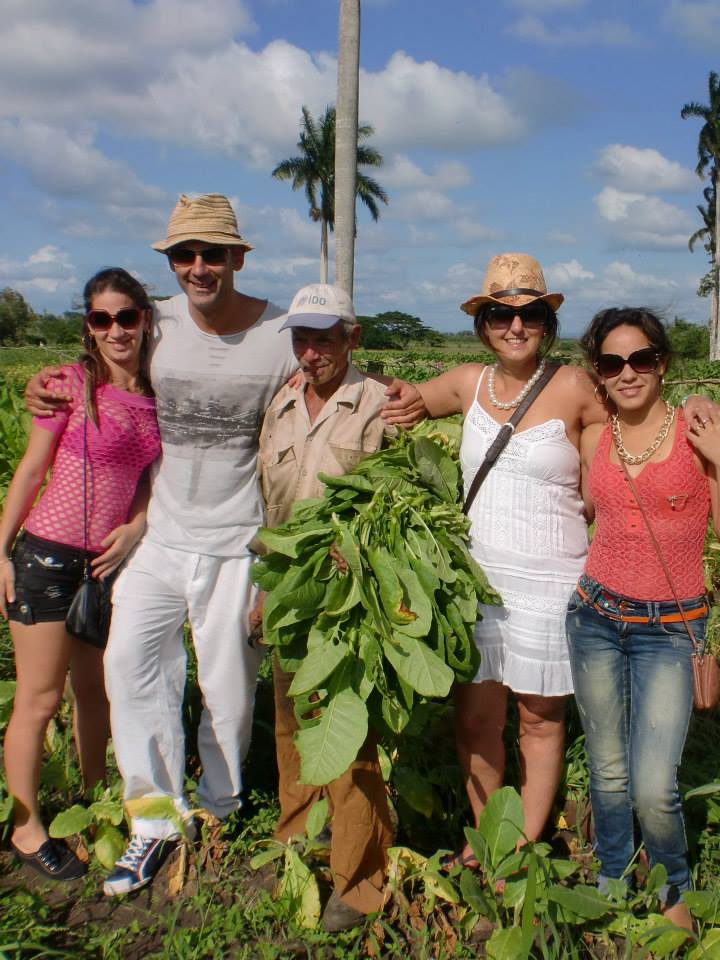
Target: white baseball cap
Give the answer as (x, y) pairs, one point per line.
(319, 306)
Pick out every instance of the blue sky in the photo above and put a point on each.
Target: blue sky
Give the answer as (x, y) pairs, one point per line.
(547, 126)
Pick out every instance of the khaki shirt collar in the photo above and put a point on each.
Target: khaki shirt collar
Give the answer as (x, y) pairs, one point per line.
(348, 394)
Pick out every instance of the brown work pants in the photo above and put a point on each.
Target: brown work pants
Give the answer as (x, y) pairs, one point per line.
(357, 803)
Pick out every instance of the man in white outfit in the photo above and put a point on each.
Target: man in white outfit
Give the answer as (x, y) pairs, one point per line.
(216, 362)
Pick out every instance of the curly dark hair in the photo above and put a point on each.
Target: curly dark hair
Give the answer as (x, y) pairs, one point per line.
(608, 320)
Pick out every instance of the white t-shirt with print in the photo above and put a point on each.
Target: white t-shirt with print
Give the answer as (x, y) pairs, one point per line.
(212, 393)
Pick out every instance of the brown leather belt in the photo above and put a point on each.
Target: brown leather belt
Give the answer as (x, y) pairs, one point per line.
(632, 618)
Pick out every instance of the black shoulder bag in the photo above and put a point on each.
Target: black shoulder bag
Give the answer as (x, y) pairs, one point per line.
(88, 618)
(505, 432)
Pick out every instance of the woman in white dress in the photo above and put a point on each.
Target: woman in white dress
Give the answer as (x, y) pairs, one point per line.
(528, 533)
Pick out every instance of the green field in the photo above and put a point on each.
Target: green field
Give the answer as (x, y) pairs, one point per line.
(208, 900)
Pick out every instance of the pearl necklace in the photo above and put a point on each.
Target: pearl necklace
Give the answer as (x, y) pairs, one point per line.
(523, 393)
(655, 445)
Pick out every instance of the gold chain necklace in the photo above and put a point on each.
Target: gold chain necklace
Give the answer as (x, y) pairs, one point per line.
(655, 445)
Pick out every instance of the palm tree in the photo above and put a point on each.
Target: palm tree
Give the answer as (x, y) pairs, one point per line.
(707, 234)
(314, 170)
(709, 162)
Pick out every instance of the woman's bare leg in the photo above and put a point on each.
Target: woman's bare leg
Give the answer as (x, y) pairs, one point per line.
(480, 710)
(91, 716)
(542, 742)
(42, 653)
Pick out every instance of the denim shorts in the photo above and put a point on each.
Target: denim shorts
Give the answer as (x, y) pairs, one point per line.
(47, 576)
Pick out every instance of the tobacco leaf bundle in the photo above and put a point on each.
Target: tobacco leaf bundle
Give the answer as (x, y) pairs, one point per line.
(392, 633)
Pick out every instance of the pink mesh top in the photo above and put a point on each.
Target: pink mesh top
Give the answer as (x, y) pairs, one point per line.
(125, 441)
(676, 498)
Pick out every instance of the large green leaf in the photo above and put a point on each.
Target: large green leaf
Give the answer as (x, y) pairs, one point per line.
(415, 790)
(708, 948)
(316, 818)
(73, 820)
(586, 903)
(292, 543)
(506, 944)
(416, 601)
(436, 468)
(328, 746)
(317, 665)
(298, 887)
(501, 823)
(109, 845)
(416, 663)
(475, 896)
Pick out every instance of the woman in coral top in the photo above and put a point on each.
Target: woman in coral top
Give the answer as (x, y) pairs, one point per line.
(99, 447)
(629, 648)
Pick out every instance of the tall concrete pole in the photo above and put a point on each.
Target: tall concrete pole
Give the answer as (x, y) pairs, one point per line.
(346, 142)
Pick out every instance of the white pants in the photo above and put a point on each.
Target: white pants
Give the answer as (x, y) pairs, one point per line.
(145, 666)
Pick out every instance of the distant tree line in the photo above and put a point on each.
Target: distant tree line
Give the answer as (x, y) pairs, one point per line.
(19, 324)
(392, 330)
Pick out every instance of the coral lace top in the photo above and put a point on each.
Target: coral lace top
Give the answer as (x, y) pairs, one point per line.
(676, 498)
(119, 448)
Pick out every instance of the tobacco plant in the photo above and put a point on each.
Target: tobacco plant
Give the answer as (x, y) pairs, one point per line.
(380, 640)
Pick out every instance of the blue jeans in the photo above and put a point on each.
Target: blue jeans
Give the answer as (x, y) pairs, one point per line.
(633, 686)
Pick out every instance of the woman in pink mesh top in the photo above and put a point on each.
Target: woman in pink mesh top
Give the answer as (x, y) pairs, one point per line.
(629, 648)
(103, 441)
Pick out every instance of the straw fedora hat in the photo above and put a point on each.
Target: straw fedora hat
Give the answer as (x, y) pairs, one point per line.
(513, 279)
(209, 218)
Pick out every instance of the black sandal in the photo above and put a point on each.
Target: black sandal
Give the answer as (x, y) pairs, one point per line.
(53, 860)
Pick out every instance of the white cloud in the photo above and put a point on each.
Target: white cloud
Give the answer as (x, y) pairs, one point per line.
(562, 275)
(414, 104)
(400, 172)
(610, 33)
(697, 22)
(645, 222)
(543, 6)
(646, 170)
(68, 165)
(561, 237)
(617, 283)
(47, 270)
(422, 205)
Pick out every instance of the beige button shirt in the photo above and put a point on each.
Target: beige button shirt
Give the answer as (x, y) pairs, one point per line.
(293, 451)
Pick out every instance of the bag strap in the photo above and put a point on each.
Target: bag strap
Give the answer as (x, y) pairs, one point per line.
(661, 558)
(87, 573)
(506, 431)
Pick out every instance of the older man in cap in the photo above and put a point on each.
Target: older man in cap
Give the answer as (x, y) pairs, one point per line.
(217, 361)
(326, 428)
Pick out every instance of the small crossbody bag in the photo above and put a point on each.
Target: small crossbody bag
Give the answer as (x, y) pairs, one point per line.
(88, 618)
(506, 431)
(706, 674)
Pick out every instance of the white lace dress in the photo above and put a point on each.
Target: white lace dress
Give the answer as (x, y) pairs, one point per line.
(529, 535)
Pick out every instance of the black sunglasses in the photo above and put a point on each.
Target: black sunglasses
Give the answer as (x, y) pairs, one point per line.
(129, 319)
(184, 256)
(534, 315)
(641, 361)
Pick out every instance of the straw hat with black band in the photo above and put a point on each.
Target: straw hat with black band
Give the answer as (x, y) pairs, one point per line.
(512, 279)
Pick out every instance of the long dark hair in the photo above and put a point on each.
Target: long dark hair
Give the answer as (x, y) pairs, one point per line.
(549, 336)
(606, 321)
(96, 370)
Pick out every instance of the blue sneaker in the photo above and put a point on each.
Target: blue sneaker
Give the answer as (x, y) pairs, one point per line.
(142, 859)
